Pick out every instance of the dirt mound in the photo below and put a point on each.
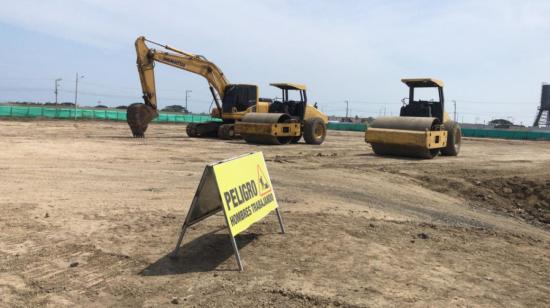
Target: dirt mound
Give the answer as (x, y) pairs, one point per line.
(518, 196)
(530, 198)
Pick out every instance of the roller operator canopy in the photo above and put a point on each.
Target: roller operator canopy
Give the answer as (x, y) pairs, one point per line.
(289, 86)
(422, 82)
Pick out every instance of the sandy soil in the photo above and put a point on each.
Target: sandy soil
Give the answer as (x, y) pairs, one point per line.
(89, 216)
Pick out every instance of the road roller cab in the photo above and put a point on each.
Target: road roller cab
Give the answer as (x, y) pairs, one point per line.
(286, 121)
(423, 128)
(416, 107)
(296, 108)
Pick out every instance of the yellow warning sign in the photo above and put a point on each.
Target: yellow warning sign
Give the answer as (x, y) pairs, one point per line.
(245, 190)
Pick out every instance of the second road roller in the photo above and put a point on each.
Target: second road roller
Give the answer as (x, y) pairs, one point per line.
(423, 129)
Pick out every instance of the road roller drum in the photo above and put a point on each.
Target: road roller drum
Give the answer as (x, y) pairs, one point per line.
(406, 123)
(406, 136)
(267, 128)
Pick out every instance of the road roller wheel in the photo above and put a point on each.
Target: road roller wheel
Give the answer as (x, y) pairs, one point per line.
(295, 139)
(226, 131)
(221, 132)
(397, 150)
(271, 118)
(454, 136)
(315, 131)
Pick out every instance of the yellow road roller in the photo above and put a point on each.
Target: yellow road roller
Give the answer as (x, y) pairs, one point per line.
(422, 129)
(286, 121)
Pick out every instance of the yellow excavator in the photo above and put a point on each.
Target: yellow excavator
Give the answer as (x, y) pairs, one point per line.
(423, 128)
(239, 108)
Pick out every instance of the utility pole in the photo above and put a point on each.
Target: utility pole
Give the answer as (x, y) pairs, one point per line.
(454, 103)
(186, 97)
(347, 108)
(56, 87)
(76, 93)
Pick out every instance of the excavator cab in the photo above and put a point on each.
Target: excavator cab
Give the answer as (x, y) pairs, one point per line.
(239, 97)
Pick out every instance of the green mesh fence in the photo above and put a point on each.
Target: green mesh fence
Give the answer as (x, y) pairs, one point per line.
(506, 134)
(466, 132)
(120, 115)
(182, 118)
(93, 114)
(357, 127)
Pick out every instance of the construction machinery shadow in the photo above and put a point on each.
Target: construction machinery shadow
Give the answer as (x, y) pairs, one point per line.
(203, 254)
(395, 157)
(132, 138)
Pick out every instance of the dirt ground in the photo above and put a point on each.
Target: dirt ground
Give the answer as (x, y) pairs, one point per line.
(90, 215)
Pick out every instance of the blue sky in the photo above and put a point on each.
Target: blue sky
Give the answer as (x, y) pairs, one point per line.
(493, 55)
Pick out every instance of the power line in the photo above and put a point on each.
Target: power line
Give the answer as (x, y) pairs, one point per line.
(363, 107)
(462, 101)
(356, 102)
(132, 89)
(186, 98)
(88, 93)
(25, 78)
(347, 108)
(78, 77)
(454, 117)
(56, 88)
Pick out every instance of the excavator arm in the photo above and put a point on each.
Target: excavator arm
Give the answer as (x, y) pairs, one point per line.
(140, 115)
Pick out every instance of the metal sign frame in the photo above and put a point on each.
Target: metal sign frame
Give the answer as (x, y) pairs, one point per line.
(208, 183)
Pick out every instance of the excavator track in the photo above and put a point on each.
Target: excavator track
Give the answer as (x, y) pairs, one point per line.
(203, 130)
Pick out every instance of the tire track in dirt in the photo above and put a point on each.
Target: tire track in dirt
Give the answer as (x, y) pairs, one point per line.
(520, 190)
(67, 267)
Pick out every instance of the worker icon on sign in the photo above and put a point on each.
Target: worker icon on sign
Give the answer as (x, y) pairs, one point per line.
(263, 182)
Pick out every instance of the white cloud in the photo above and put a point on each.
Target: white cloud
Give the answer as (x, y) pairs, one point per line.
(342, 49)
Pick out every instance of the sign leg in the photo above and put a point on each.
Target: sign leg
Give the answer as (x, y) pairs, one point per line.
(236, 249)
(280, 218)
(174, 254)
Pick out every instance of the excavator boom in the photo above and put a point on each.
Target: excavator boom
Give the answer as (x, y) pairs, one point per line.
(140, 115)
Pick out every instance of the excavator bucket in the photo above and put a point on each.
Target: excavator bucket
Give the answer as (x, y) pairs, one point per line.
(420, 137)
(139, 116)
